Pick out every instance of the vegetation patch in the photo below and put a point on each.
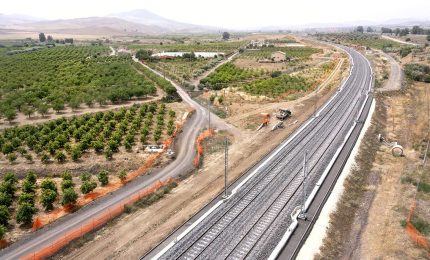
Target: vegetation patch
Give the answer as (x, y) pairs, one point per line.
(417, 72)
(67, 75)
(102, 132)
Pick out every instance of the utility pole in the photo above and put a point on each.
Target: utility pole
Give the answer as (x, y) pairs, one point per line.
(302, 214)
(225, 167)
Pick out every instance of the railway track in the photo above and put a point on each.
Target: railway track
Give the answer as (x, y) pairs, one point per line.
(251, 222)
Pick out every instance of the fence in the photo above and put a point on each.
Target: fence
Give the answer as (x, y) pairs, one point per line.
(94, 223)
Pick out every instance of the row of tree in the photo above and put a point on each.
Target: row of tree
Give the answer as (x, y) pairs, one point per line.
(398, 32)
(50, 39)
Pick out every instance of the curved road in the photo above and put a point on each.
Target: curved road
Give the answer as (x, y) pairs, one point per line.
(252, 221)
(183, 163)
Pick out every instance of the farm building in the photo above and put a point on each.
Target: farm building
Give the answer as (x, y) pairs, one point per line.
(278, 56)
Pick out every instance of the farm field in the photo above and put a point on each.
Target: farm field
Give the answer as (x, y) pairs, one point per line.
(91, 139)
(368, 40)
(45, 79)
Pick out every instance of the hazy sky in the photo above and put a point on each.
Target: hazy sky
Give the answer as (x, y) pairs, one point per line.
(231, 13)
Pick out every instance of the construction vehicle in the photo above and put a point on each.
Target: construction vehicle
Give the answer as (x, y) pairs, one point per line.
(283, 114)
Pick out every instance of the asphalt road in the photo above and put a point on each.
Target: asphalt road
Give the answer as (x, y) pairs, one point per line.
(252, 221)
(185, 149)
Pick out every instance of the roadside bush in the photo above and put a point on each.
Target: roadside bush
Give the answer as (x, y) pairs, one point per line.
(67, 184)
(88, 186)
(47, 198)
(48, 184)
(103, 177)
(69, 196)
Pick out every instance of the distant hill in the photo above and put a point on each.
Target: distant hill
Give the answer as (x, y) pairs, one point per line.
(11, 19)
(90, 25)
(145, 17)
(135, 22)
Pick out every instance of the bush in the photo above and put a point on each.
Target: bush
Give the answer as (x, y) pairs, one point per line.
(25, 213)
(28, 186)
(47, 198)
(11, 157)
(31, 177)
(8, 187)
(67, 176)
(4, 215)
(5, 199)
(88, 186)
(122, 175)
(60, 157)
(26, 198)
(69, 196)
(103, 177)
(48, 184)
(76, 154)
(10, 177)
(85, 176)
(67, 184)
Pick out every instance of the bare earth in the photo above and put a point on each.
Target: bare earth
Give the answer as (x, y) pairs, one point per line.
(130, 236)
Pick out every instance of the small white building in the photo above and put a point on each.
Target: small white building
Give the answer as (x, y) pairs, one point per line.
(278, 56)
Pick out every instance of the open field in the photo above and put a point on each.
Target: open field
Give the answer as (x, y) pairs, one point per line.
(368, 40)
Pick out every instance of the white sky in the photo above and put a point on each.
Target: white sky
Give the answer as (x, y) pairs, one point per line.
(231, 13)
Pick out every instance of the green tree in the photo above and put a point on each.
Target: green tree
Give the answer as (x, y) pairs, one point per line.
(44, 158)
(48, 197)
(4, 215)
(369, 29)
(58, 105)
(428, 37)
(5, 199)
(28, 187)
(48, 184)
(225, 35)
(103, 177)
(88, 186)
(60, 156)
(67, 184)
(42, 109)
(50, 38)
(360, 29)
(31, 177)
(144, 54)
(26, 198)
(9, 114)
(67, 176)
(76, 153)
(85, 176)
(69, 196)
(42, 37)
(8, 187)
(25, 213)
(28, 111)
(10, 177)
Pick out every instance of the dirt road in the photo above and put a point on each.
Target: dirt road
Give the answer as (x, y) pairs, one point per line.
(395, 79)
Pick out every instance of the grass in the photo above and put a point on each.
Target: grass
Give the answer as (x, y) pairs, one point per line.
(368, 40)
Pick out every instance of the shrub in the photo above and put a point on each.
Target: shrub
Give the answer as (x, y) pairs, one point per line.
(60, 157)
(26, 198)
(4, 215)
(48, 184)
(10, 177)
(48, 197)
(5, 199)
(69, 196)
(28, 186)
(31, 177)
(67, 175)
(85, 176)
(103, 177)
(25, 213)
(88, 186)
(8, 187)
(122, 175)
(67, 184)
(11, 157)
